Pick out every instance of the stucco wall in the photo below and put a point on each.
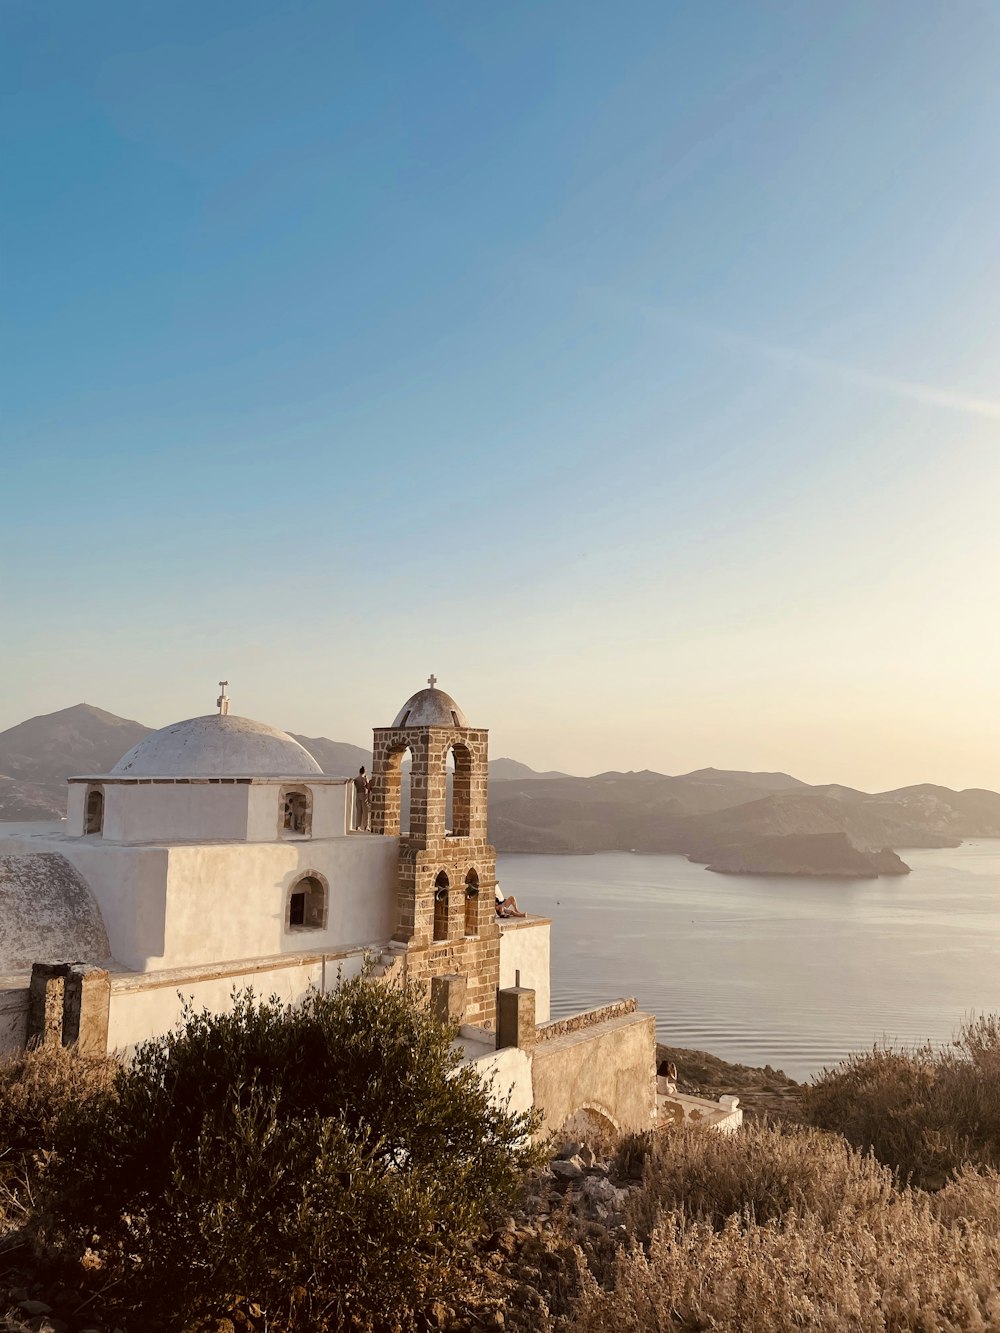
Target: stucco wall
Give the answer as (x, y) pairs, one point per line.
(76, 797)
(148, 1005)
(507, 1073)
(230, 901)
(609, 1069)
(202, 903)
(128, 884)
(524, 948)
(13, 1021)
(266, 809)
(160, 811)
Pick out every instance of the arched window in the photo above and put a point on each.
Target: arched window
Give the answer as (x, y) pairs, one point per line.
(306, 904)
(472, 903)
(296, 813)
(441, 907)
(392, 792)
(458, 817)
(93, 821)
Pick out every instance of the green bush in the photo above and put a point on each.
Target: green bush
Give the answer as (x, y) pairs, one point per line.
(923, 1112)
(332, 1163)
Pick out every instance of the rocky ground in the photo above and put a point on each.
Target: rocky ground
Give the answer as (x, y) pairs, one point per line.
(762, 1092)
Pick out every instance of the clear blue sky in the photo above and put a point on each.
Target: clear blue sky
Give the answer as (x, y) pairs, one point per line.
(633, 367)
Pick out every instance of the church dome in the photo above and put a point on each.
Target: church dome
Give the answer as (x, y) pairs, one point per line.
(430, 708)
(217, 746)
(47, 911)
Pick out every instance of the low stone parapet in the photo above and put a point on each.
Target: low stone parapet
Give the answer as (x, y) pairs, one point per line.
(680, 1108)
(587, 1018)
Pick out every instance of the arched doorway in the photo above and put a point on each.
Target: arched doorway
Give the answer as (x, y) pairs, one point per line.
(94, 814)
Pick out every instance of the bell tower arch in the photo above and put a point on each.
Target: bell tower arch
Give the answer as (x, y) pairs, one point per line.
(448, 930)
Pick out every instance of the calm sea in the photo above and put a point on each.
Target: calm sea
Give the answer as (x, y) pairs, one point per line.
(795, 973)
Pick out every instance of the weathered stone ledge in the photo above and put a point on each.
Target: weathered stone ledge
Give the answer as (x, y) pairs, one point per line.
(563, 1027)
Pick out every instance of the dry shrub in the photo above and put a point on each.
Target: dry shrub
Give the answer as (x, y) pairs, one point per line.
(761, 1173)
(829, 1242)
(923, 1112)
(41, 1093)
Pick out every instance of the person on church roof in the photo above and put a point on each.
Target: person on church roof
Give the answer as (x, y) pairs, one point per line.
(506, 906)
(362, 793)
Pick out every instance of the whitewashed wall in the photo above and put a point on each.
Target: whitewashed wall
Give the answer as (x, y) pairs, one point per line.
(148, 1006)
(524, 948)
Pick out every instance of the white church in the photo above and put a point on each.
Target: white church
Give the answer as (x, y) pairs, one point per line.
(216, 855)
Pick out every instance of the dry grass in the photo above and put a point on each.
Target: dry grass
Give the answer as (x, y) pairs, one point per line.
(776, 1231)
(40, 1092)
(924, 1112)
(760, 1174)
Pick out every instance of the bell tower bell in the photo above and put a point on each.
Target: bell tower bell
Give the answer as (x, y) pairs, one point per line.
(446, 873)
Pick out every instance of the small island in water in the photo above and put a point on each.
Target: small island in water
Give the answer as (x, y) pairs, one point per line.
(806, 854)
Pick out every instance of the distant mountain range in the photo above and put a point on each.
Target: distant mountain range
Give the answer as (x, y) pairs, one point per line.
(731, 820)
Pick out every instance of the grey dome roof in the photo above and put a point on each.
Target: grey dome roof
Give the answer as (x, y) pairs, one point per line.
(218, 746)
(430, 708)
(47, 914)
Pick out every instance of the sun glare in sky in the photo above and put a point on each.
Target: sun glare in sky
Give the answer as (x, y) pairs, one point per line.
(632, 367)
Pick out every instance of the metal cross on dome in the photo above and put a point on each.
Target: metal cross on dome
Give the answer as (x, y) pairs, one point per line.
(432, 680)
(222, 703)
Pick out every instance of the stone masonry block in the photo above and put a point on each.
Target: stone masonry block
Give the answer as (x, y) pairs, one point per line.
(86, 1008)
(448, 998)
(516, 1017)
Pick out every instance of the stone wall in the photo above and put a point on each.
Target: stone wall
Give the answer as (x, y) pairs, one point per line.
(607, 1069)
(562, 1027)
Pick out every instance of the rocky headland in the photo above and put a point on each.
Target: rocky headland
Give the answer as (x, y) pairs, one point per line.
(819, 854)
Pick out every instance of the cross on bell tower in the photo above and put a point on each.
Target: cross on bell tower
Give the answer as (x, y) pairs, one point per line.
(432, 680)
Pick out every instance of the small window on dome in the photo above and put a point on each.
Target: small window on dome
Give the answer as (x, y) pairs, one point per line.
(296, 813)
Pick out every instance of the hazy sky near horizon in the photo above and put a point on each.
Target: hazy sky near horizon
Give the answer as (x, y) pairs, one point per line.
(632, 367)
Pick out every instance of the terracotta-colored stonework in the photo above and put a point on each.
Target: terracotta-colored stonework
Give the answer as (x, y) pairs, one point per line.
(454, 862)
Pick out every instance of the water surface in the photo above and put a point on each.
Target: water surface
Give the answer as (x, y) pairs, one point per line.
(790, 972)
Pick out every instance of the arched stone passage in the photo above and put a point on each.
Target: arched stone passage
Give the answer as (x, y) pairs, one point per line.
(472, 903)
(441, 887)
(307, 903)
(591, 1123)
(94, 813)
(393, 793)
(460, 803)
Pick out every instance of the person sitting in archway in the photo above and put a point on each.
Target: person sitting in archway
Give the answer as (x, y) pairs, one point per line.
(506, 906)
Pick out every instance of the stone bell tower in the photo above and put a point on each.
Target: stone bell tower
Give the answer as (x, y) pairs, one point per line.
(446, 874)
